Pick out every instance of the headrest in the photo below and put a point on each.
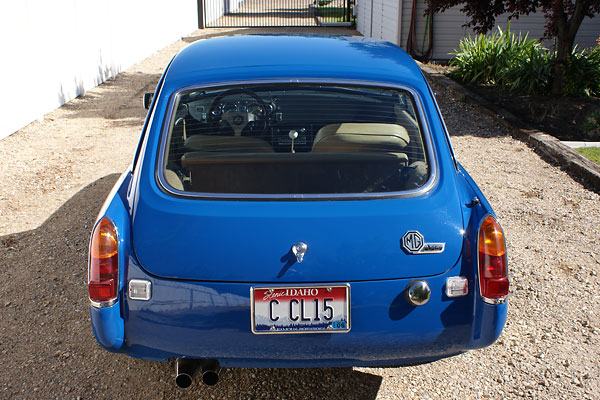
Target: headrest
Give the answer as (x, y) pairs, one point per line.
(361, 137)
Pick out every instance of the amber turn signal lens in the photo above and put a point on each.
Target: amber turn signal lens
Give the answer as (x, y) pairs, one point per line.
(104, 240)
(493, 266)
(491, 238)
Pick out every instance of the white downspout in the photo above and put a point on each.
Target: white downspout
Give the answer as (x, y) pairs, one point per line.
(400, 7)
(371, 23)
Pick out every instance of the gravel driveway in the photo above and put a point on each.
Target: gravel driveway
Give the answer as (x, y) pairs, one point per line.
(57, 172)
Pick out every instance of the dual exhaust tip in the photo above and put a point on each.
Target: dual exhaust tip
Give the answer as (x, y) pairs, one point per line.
(187, 368)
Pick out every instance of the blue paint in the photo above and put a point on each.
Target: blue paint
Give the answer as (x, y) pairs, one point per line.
(212, 320)
(108, 323)
(203, 256)
(108, 326)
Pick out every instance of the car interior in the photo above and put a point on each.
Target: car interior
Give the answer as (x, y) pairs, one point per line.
(295, 139)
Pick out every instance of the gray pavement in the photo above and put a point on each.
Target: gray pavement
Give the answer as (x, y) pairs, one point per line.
(577, 145)
(267, 12)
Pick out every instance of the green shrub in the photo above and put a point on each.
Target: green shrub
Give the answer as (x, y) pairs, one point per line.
(532, 74)
(590, 126)
(486, 58)
(523, 65)
(332, 14)
(582, 76)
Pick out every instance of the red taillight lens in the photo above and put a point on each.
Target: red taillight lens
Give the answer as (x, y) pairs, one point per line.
(103, 282)
(493, 267)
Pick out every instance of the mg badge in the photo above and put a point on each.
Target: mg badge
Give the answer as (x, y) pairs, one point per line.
(299, 250)
(414, 243)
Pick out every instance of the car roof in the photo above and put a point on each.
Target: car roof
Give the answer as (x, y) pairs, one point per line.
(289, 57)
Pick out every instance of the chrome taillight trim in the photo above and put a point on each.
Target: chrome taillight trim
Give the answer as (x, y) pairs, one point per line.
(494, 302)
(104, 304)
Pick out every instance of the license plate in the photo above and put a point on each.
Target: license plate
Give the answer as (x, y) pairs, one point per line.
(300, 309)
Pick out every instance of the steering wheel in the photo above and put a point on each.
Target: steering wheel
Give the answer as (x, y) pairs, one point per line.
(238, 120)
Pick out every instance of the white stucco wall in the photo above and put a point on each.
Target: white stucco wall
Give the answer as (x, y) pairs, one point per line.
(53, 51)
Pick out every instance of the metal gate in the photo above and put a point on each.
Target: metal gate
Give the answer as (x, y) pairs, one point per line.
(269, 13)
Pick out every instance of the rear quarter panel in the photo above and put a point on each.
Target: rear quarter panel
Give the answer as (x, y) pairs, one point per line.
(107, 323)
(491, 316)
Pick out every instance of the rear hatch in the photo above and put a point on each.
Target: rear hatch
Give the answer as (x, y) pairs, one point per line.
(250, 241)
(316, 141)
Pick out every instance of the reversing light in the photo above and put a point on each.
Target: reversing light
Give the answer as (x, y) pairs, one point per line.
(457, 286)
(493, 267)
(140, 289)
(103, 272)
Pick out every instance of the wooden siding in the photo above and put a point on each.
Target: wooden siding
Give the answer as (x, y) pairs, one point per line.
(378, 19)
(448, 27)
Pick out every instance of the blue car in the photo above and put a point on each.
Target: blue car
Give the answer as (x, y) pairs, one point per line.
(294, 201)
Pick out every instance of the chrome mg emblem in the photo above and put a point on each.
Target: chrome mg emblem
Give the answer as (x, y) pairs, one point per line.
(414, 243)
(299, 250)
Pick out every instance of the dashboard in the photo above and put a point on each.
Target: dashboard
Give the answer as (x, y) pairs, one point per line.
(274, 127)
(277, 116)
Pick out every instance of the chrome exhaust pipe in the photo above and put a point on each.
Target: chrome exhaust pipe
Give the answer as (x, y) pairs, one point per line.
(185, 369)
(210, 372)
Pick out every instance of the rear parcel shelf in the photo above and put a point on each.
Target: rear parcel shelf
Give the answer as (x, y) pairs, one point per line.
(297, 173)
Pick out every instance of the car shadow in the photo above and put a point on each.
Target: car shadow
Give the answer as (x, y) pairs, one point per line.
(48, 348)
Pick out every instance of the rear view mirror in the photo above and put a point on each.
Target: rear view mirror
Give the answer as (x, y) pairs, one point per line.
(148, 100)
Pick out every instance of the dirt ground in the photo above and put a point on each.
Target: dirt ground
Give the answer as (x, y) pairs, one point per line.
(57, 172)
(49, 161)
(565, 118)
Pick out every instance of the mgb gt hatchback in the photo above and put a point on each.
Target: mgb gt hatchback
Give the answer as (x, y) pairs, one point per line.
(294, 201)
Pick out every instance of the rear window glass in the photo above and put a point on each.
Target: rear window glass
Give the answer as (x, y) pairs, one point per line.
(295, 139)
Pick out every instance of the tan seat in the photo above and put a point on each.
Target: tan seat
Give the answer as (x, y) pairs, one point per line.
(227, 144)
(361, 137)
(173, 180)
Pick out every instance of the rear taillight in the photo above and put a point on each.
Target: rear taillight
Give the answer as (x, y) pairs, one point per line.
(493, 267)
(103, 284)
